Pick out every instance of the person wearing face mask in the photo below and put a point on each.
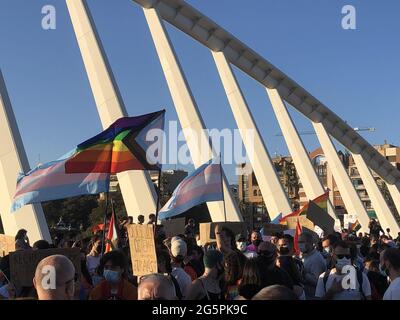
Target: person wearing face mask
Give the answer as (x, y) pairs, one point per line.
(114, 286)
(255, 239)
(241, 245)
(378, 281)
(330, 283)
(208, 286)
(270, 273)
(314, 264)
(390, 265)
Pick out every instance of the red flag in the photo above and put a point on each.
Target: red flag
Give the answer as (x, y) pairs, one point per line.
(296, 238)
(112, 233)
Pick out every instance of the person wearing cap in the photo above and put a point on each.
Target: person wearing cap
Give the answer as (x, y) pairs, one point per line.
(207, 287)
(241, 245)
(178, 252)
(270, 273)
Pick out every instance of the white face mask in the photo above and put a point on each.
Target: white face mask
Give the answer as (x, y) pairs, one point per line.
(340, 263)
(198, 242)
(327, 250)
(241, 246)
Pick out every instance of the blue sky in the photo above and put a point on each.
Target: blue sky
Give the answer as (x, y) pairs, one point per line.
(354, 72)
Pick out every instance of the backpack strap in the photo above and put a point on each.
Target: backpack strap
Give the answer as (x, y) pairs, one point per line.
(360, 280)
(325, 278)
(177, 287)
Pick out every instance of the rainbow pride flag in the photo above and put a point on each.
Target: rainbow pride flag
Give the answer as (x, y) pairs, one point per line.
(355, 226)
(121, 147)
(86, 169)
(320, 201)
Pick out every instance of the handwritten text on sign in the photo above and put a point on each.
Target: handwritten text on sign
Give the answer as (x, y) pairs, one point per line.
(143, 250)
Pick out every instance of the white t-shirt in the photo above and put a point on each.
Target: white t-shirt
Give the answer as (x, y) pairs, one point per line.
(183, 280)
(393, 292)
(349, 294)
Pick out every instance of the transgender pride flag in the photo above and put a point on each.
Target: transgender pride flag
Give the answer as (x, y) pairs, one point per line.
(49, 181)
(203, 185)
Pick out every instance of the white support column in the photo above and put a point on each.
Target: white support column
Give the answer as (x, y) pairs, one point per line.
(136, 186)
(395, 193)
(385, 216)
(13, 160)
(271, 188)
(308, 177)
(349, 194)
(188, 113)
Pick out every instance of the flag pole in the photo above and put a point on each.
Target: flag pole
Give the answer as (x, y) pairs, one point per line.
(222, 185)
(158, 200)
(105, 222)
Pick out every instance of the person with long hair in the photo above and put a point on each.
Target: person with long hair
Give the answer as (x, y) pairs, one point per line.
(22, 240)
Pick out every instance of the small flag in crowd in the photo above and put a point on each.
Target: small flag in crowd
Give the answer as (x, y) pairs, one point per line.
(203, 185)
(112, 234)
(87, 169)
(320, 201)
(355, 226)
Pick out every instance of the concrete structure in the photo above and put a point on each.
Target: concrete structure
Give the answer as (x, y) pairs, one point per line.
(189, 116)
(137, 189)
(13, 160)
(385, 216)
(308, 177)
(349, 194)
(271, 189)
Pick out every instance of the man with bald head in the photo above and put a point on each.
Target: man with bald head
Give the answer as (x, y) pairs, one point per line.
(156, 286)
(54, 278)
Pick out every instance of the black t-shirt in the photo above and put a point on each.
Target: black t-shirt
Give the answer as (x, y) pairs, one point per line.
(272, 275)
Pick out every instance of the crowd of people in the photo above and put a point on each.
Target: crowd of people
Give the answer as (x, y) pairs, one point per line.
(249, 266)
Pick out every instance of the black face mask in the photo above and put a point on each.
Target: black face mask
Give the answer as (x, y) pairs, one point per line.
(256, 242)
(284, 250)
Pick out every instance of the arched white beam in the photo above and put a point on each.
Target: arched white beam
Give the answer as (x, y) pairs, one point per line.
(395, 193)
(308, 177)
(188, 113)
(13, 160)
(383, 212)
(270, 186)
(194, 23)
(346, 188)
(136, 186)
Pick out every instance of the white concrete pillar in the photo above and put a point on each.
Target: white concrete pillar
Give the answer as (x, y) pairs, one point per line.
(188, 113)
(395, 193)
(136, 186)
(385, 216)
(349, 194)
(271, 188)
(13, 160)
(308, 177)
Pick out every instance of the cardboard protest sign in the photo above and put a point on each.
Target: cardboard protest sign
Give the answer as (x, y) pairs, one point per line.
(23, 263)
(320, 217)
(174, 227)
(292, 222)
(207, 230)
(271, 228)
(142, 248)
(7, 244)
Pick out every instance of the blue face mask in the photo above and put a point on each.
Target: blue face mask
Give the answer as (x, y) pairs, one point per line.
(111, 276)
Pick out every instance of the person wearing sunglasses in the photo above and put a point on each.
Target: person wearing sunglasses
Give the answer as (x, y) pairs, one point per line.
(336, 284)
